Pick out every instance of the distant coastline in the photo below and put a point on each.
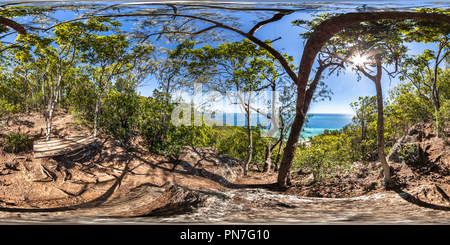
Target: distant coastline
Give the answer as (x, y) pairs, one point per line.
(320, 122)
(317, 124)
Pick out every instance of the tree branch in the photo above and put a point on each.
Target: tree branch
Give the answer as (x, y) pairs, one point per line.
(271, 41)
(180, 32)
(371, 77)
(276, 17)
(11, 23)
(12, 46)
(217, 24)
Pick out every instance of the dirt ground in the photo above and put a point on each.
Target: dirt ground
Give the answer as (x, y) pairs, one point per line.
(105, 173)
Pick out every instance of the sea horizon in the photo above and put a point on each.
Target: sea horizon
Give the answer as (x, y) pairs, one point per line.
(318, 123)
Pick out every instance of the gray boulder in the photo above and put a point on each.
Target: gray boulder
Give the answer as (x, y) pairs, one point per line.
(408, 148)
(209, 163)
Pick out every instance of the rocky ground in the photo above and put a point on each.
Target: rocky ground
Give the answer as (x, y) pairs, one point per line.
(202, 185)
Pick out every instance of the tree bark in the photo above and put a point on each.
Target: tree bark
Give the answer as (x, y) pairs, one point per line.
(279, 150)
(49, 116)
(16, 26)
(321, 35)
(267, 162)
(250, 142)
(380, 135)
(380, 123)
(96, 112)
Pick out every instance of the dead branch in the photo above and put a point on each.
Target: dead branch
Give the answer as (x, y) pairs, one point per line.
(117, 181)
(47, 172)
(78, 182)
(70, 194)
(24, 166)
(66, 175)
(113, 169)
(271, 41)
(42, 180)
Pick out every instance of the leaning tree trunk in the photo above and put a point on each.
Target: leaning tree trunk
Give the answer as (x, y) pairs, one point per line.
(279, 150)
(267, 162)
(317, 40)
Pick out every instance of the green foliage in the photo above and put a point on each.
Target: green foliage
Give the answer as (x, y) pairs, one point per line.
(405, 107)
(153, 123)
(103, 63)
(162, 137)
(328, 153)
(7, 109)
(119, 110)
(407, 152)
(445, 113)
(233, 140)
(17, 141)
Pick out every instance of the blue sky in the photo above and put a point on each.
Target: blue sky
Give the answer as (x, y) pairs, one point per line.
(345, 87)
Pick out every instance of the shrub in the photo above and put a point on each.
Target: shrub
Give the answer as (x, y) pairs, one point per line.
(17, 141)
(7, 109)
(118, 114)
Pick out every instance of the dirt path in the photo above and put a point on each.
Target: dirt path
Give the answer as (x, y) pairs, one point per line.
(244, 206)
(105, 183)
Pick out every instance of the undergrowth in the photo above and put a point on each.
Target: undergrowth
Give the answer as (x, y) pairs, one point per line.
(17, 141)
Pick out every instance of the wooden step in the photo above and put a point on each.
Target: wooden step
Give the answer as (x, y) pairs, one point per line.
(61, 146)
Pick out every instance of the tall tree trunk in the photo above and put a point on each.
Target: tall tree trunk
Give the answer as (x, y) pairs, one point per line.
(59, 98)
(363, 135)
(436, 104)
(49, 124)
(49, 117)
(387, 181)
(250, 142)
(96, 112)
(380, 135)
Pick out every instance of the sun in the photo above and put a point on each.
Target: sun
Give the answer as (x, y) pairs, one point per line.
(359, 60)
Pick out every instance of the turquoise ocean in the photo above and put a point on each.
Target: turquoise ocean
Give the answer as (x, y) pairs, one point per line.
(318, 123)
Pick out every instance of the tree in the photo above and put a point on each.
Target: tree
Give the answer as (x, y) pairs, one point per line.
(323, 32)
(80, 93)
(240, 67)
(314, 44)
(53, 60)
(111, 54)
(366, 111)
(375, 44)
(405, 108)
(167, 70)
(425, 71)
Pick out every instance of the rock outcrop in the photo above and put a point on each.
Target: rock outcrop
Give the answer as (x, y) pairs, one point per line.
(408, 148)
(209, 163)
